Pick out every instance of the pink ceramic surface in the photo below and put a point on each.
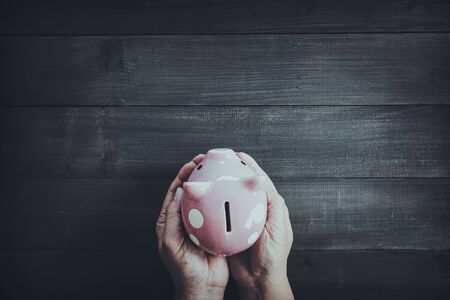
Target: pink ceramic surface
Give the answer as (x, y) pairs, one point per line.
(223, 205)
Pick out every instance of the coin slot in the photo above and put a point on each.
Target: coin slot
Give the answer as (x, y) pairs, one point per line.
(227, 216)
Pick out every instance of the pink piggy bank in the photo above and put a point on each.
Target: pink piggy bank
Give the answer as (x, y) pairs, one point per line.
(223, 205)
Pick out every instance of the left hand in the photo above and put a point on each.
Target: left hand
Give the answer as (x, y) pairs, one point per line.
(195, 273)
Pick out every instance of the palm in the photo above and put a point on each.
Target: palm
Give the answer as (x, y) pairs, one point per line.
(243, 265)
(204, 268)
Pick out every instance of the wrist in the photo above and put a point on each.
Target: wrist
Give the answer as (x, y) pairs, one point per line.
(274, 288)
(199, 293)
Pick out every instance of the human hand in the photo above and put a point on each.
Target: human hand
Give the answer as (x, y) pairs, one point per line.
(195, 273)
(261, 271)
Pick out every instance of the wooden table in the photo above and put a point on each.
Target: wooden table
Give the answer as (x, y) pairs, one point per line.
(344, 103)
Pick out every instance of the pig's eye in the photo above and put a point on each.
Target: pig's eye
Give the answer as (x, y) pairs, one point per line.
(243, 163)
(199, 167)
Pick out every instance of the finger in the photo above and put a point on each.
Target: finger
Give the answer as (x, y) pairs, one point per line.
(275, 212)
(288, 222)
(173, 228)
(251, 162)
(160, 229)
(182, 176)
(239, 264)
(184, 172)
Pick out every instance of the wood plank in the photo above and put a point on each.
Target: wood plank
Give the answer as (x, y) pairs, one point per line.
(153, 142)
(325, 69)
(82, 214)
(139, 274)
(220, 16)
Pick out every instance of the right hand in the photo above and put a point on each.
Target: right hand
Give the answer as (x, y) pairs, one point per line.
(261, 271)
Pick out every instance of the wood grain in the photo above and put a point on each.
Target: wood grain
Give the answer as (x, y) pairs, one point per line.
(221, 16)
(344, 103)
(153, 142)
(328, 213)
(326, 69)
(137, 274)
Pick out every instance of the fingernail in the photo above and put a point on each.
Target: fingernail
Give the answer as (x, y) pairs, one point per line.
(178, 193)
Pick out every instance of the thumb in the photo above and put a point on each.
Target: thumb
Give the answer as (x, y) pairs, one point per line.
(174, 228)
(275, 210)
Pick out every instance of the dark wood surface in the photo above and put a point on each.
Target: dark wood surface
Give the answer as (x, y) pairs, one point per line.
(322, 69)
(50, 17)
(299, 141)
(137, 274)
(344, 103)
(326, 213)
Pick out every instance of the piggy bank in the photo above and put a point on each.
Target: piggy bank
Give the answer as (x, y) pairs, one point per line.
(223, 205)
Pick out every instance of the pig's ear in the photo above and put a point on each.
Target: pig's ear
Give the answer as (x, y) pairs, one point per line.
(196, 189)
(255, 182)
